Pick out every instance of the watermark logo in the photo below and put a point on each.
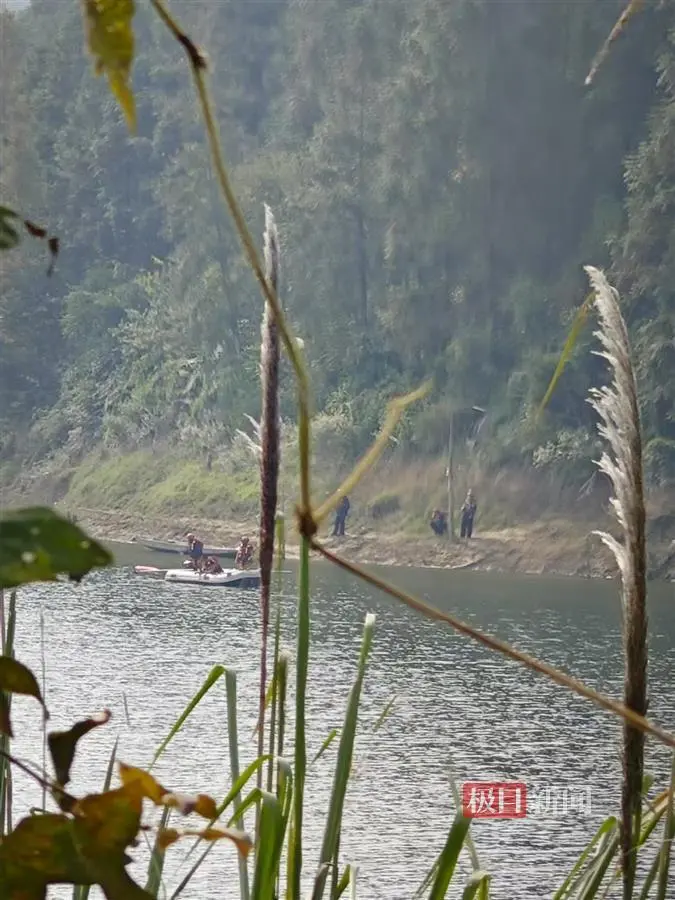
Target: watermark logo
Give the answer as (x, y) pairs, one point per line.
(494, 799)
(514, 800)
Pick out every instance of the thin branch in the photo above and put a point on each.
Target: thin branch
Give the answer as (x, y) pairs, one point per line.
(493, 643)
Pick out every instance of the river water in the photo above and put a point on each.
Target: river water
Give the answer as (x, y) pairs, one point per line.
(117, 637)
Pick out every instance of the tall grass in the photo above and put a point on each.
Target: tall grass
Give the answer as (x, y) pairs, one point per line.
(618, 409)
(270, 446)
(7, 632)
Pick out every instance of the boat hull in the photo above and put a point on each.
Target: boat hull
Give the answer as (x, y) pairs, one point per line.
(231, 578)
(178, 549)
(150, 571)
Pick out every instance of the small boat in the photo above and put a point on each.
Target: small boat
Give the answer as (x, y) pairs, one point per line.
(182, 549)
(235, 578)
(152, 571)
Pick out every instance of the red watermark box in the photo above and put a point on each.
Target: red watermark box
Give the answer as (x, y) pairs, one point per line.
(494, 800)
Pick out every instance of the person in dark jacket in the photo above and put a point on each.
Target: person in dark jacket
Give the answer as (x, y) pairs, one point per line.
(195, 551)
(468, 513)
(439, 522)
(341, 514)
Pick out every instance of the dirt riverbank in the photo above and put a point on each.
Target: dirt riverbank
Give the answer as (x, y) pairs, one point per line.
(552, 547)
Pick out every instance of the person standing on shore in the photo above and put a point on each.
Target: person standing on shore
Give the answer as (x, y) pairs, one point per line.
(468, 513)
(340, 517)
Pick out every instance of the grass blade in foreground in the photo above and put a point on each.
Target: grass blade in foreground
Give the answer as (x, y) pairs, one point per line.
(233, 743)
(300, 768)
(609, 825)
(445, 867)
(668, 834)
(479, 881)
(343, 766)
(7, 631)
(211, 679)
(156, 864)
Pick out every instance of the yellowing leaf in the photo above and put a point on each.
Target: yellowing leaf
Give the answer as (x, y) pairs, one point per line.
(168, 836)
(110, 39)
(15, 678)
(206, 807)
(108, 822)
(148, 785)
(201, 804)
(40, 851)
(62, 744)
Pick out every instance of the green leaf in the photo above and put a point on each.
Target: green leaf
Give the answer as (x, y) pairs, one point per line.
(210, 680)
(9, 236)
(386, 712)
(343, 766)
(668, 834)
(343, 883)
(609, 826)
(478, 880)
(36, 544)
(15, 678)
(62, 744)
(274, 817)
(449, 856)
(332, 734)
(110, 39)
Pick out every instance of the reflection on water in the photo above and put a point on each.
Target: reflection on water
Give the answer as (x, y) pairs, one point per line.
(119, 636)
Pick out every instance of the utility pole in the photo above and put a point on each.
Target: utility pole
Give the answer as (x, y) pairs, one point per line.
(476, 410)
(451, 499)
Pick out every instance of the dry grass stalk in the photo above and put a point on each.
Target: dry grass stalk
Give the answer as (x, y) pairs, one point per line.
(269, 458)
(617, 407)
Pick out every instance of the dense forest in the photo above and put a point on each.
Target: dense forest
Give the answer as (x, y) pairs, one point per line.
(439, 173)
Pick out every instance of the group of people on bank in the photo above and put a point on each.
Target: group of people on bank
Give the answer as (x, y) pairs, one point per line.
(245, 551)
(438, 522)
(439, 519)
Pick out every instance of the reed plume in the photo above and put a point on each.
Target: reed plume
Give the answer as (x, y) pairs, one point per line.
(269, 456)
(617, 407)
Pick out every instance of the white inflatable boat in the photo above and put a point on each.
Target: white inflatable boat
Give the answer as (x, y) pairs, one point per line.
(234, 578)
(150, 571)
